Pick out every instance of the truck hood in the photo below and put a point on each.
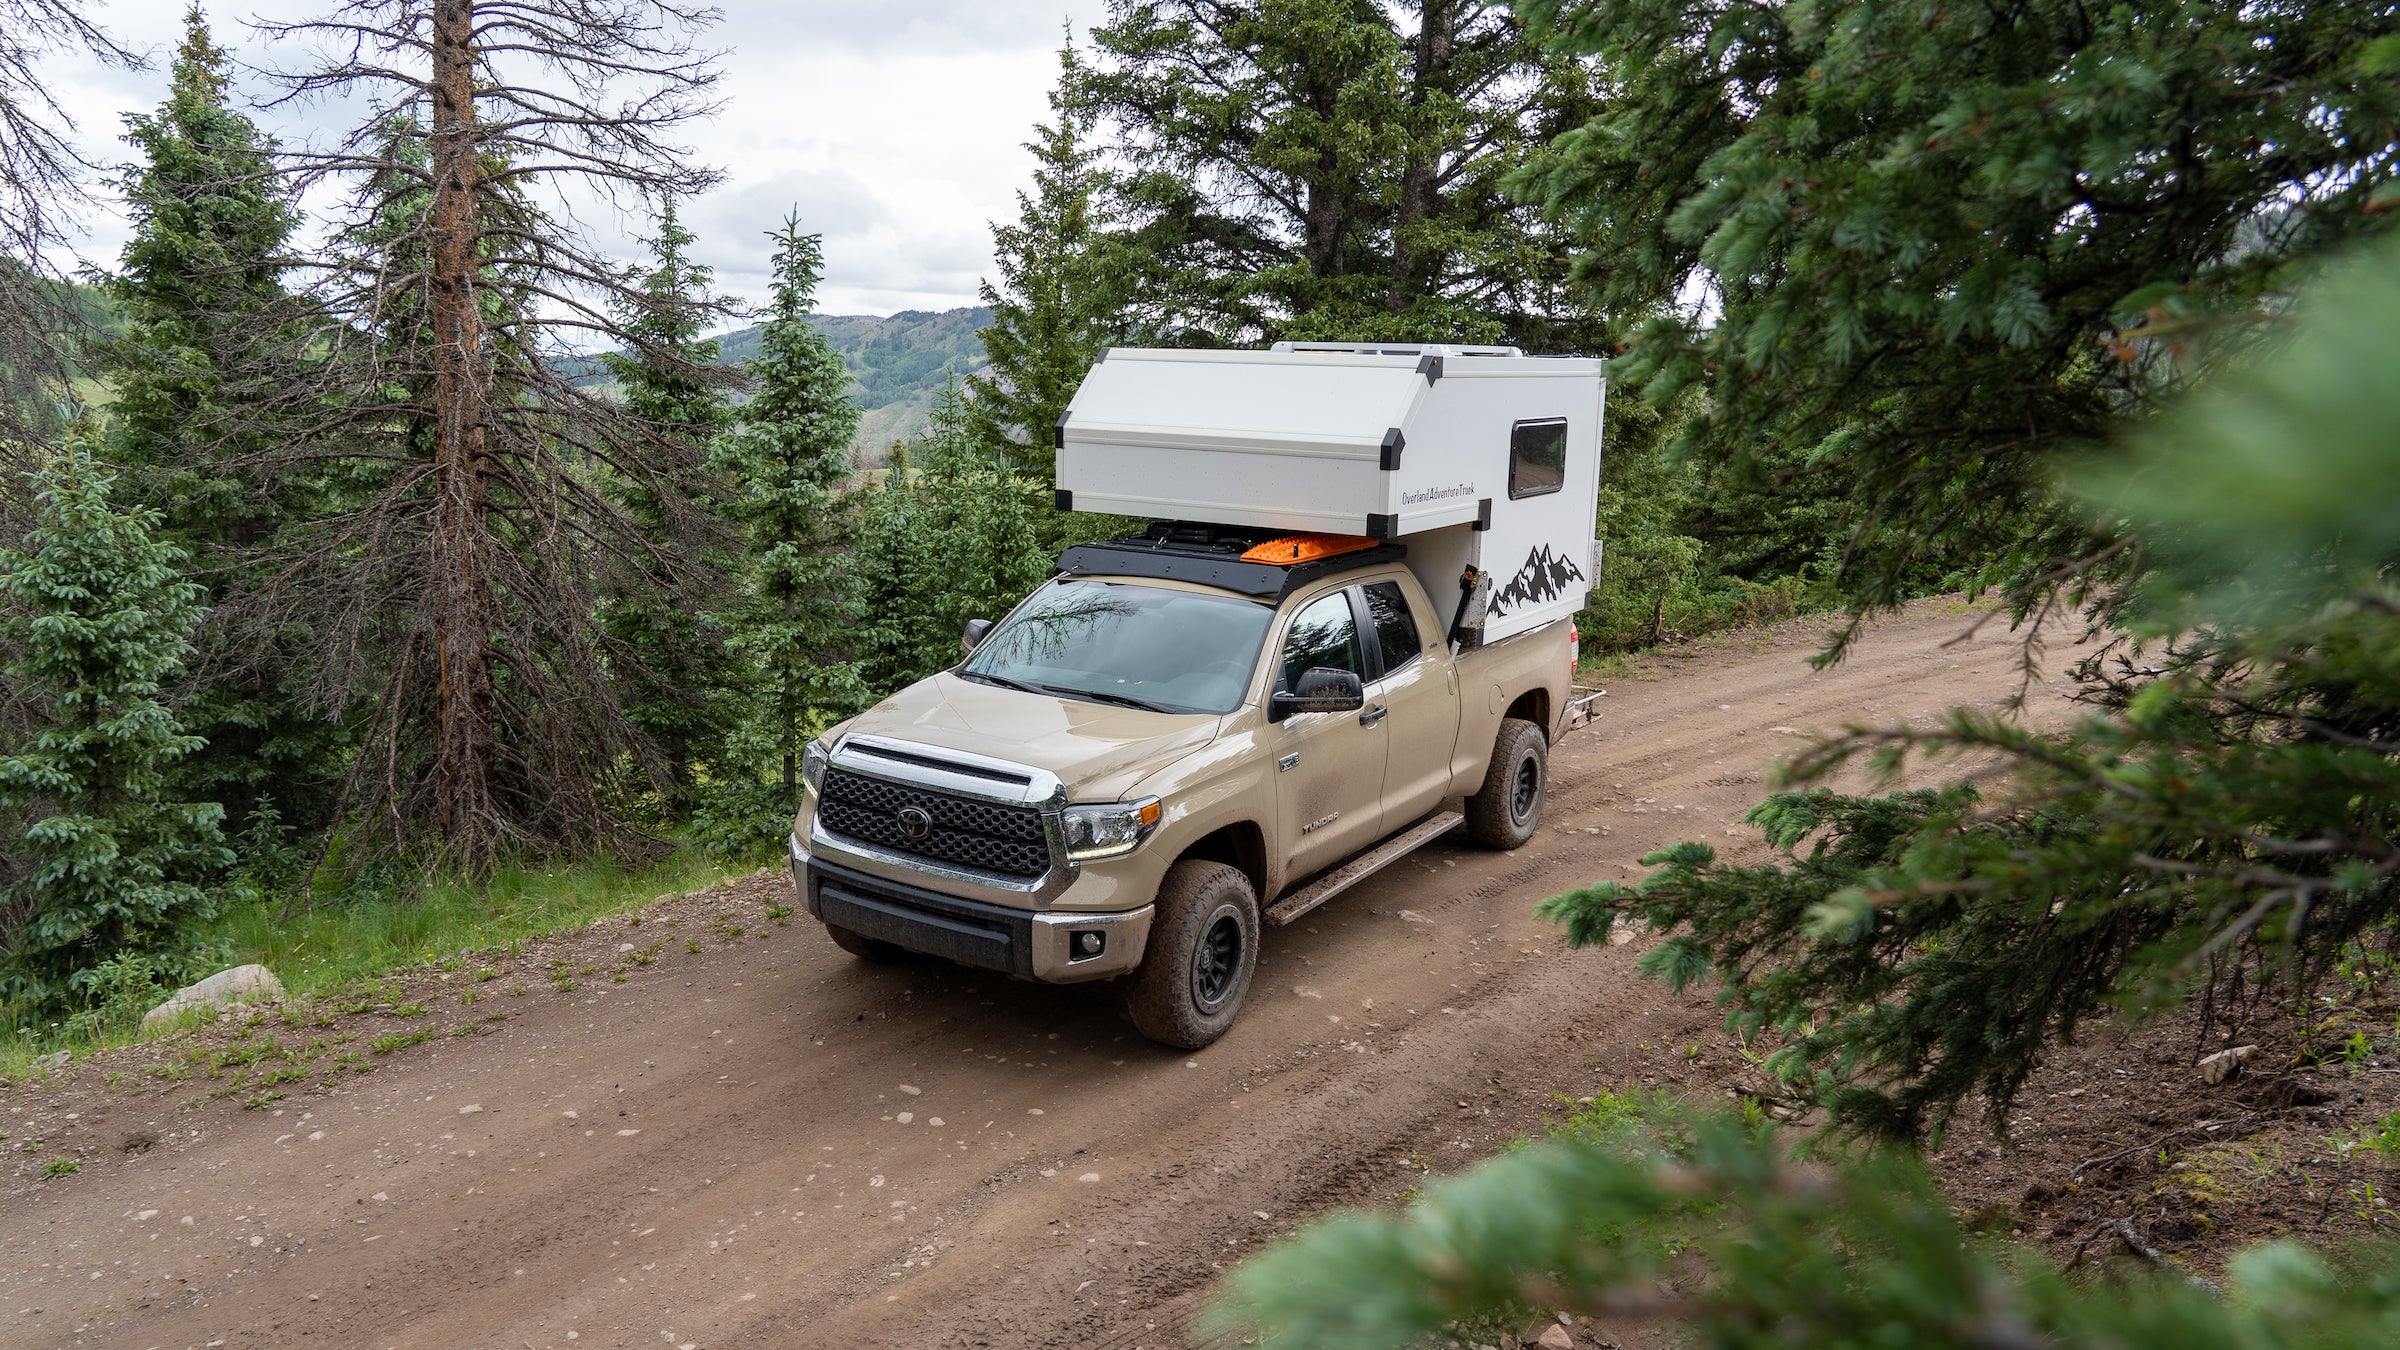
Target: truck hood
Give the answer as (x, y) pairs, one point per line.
(1100, 751)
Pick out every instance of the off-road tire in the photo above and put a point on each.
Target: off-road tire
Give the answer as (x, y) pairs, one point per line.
(1504, 813)
(1203, 951)
(865, 948)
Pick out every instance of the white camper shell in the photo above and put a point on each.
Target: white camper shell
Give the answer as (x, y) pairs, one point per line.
(1476, 457)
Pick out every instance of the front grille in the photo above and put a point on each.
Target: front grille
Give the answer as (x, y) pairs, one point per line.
(1007, 840)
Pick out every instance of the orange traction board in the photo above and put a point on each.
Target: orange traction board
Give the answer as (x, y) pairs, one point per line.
(1300, 548)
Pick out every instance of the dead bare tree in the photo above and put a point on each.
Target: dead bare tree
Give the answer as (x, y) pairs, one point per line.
(459, 301)
(41, 188)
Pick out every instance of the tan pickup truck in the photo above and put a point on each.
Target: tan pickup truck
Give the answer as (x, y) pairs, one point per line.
(1175, 743)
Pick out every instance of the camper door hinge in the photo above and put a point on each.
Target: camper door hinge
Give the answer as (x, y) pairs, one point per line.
(1430, 366)
(1393, 444)
(1483, 513)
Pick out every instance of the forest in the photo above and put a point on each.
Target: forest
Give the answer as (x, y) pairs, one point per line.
(334, 591)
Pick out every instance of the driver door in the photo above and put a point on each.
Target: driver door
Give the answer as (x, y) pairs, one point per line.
(1329, 766)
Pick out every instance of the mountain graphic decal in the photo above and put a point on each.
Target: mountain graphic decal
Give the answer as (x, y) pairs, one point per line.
(1543, 577)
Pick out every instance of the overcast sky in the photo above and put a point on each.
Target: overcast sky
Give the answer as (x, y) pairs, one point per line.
(895, 126)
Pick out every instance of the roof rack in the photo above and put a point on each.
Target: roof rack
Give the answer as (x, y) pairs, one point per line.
(1211, 555)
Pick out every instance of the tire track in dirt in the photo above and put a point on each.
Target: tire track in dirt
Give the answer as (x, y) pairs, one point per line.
(782, 1185)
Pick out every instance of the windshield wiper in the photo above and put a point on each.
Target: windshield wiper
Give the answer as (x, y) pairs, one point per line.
(1004, 682)
(1121, 700)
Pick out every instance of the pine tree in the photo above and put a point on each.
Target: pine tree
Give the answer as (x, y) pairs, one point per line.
(200, 376)
(2224, 818)
(952, 534)
(1060, 292)
(460, 593)
(1944, 244)
(109, 861)
(785, 466)
(1853, 1253)
(677, 676)
(1306, 169)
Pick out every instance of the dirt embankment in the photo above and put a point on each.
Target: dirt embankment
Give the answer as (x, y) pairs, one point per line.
(711, 1128)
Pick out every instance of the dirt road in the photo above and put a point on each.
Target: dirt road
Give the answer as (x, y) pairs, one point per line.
(753, 1140)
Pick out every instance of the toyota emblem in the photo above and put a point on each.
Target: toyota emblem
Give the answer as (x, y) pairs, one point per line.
(915, 822)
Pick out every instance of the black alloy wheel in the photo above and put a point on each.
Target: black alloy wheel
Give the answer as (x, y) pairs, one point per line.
(1527, 793)
(1216, 961)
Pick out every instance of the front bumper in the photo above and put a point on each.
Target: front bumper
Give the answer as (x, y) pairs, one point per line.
(1024, 943)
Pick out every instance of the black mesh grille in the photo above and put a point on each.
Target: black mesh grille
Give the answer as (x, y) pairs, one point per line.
(1003, 839)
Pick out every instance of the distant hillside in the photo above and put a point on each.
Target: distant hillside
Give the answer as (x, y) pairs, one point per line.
(899, 363)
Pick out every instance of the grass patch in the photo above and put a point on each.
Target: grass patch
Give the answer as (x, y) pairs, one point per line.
(332, 945)
(339, 949)
(400, 1040)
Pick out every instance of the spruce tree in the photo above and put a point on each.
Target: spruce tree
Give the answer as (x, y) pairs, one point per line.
(108, 861)
(784, 469)
(669, 658)
(952, 534)
(1313, 169)
(1057, 301)
(200, 375)
(1945, 244)
(460, 593)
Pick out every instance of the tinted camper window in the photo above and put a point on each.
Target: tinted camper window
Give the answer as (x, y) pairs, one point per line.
(1537, 457)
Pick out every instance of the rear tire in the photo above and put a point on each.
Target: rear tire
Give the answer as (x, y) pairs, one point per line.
(1508, 808)
(865, 948)
(1203, 951)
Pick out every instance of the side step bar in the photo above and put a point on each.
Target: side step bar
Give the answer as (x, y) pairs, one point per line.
(1365, 865)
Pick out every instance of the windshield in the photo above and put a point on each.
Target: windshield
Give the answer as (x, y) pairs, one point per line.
(1170, 651)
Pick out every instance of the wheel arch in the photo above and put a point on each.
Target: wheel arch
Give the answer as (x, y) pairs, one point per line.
(1240, 845)
(1532, 706)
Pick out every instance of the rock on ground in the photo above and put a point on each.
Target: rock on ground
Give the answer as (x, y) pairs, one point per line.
(242, 984)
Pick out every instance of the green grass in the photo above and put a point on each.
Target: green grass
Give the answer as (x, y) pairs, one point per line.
(332, 949)
(331, 946)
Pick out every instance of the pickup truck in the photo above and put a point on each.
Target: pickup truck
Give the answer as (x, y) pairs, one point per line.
(1177, 741)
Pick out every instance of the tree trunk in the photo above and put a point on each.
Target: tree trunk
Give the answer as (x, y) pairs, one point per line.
(1324, 220)
(1437, 37)
(465, 739)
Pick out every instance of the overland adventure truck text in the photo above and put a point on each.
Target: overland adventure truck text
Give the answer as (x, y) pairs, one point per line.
(1354, 608)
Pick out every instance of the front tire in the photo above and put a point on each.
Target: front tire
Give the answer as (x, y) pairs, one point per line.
(1508, 808)
(1203, 951)
(865, 948)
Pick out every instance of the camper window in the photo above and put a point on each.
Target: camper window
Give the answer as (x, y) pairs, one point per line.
(1537, 457)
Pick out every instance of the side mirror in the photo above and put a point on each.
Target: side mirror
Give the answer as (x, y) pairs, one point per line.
(1323, 689)
(973, 637)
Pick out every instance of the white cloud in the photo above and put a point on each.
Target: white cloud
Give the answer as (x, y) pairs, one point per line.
(894, 126)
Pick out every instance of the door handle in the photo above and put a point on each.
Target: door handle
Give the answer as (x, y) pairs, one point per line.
(1373, 715)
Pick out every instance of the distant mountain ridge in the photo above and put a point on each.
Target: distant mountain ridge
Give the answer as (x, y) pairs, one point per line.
(897, 364)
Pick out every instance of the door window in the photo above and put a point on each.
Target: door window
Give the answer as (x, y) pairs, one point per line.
(1395, 627)
(1323, 635)
(1537, 457)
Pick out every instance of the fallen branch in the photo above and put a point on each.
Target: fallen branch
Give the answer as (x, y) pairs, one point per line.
(2204, 1127)
(2124, 1232)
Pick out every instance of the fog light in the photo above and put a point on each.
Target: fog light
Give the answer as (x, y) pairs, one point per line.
(1089, 944)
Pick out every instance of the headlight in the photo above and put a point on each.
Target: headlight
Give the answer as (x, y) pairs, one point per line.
(812, 766)
(1108, 831)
